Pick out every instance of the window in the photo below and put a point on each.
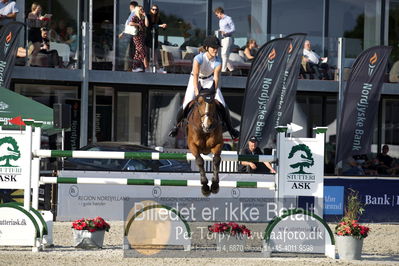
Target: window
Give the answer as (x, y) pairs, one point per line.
(358, 21)
(248, 17)
(64, 28)
(291, 16)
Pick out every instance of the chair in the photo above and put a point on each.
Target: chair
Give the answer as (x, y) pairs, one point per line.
(173, 65)
(239, 63)
(63, 50)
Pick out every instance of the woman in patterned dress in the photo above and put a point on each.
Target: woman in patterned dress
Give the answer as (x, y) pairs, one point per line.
(140, 20)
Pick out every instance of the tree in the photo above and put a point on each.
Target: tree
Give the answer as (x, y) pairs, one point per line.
(9, 150)
(305, 157)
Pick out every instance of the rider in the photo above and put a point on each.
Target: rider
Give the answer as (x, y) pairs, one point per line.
(206, 73)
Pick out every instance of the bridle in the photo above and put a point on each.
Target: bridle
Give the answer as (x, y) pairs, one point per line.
(205, 116)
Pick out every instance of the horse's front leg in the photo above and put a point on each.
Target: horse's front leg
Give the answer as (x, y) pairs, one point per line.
(204, 181)
(215, 178)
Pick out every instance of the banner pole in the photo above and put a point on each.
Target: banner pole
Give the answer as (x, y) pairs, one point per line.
(28, 133)
(340, 66)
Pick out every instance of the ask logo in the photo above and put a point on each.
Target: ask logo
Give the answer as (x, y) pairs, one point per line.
(9, 154)
(300, 157)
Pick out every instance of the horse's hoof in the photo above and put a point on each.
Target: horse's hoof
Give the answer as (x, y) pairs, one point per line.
(205, 190)
(215, 187)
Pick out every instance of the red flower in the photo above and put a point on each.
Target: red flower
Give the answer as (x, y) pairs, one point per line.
(91, 225)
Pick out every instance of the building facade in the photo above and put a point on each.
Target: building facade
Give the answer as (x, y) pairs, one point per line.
(112, 104)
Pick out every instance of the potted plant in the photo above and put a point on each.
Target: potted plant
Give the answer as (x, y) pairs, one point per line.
(230, 237)
(89, 233)
(349, 233)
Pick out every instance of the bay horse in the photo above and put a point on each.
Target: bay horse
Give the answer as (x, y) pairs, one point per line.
(205, 135)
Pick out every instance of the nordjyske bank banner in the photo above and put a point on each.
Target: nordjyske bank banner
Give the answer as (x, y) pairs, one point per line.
(379, 195)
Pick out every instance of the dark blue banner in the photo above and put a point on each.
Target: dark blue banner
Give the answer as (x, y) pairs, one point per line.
(379, 196)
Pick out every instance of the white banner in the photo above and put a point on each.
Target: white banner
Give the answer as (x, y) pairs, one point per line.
(301, 167)
(14, 159)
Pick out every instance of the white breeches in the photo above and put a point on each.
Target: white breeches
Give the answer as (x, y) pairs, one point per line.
(205, 84)
(226, 42)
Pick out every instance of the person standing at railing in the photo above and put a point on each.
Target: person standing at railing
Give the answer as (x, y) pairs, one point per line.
(140, 20)
(255, 167)
(8, 12)
(226, 30)
(126, 51)
(35, 22)
(154, 23)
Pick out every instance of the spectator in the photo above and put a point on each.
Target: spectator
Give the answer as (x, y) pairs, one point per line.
(61, 31)
(53, 35)
(314, 61)
(34, 20)
(154, 23)
(8, 12)
(368, 166)
(394, 73)
(255, 167)
(140, 20)
(45, 57)
(352, 167)
(226, 30)
(250, 50)
(73, 40)
(126, 50)
(384, 161)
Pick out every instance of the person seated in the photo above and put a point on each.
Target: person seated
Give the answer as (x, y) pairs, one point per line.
(51, 56)
(368, 166)
(385, 161)
(394, 73)
(255, 167)
(314, 62)
(72, 41)
(251, 48)
(352, 167)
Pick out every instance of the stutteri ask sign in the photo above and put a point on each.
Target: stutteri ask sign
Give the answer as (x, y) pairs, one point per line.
(301, 167)
(13, 160)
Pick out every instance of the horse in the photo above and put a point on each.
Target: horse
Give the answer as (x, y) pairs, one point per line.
(205, 135)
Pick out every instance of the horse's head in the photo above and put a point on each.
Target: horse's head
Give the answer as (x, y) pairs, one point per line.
(207, 109)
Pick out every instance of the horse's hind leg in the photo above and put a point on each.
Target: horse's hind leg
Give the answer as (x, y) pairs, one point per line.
(215, 178)
(204, 181)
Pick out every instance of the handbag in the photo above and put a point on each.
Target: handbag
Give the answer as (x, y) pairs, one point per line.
(132, 30)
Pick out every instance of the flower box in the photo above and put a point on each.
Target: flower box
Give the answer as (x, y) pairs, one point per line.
(89, 233)
(88, 240)
(349, 247)
(349, 233)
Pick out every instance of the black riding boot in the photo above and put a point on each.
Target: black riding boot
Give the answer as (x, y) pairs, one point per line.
(224, 111)
(179, 118)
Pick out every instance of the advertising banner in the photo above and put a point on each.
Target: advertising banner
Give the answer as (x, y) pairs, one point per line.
(380, 197)
(286, 99)
(263, 88)
(360, 103)
(8, 51)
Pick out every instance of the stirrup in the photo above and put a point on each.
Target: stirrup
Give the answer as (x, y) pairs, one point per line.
(173, 132)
